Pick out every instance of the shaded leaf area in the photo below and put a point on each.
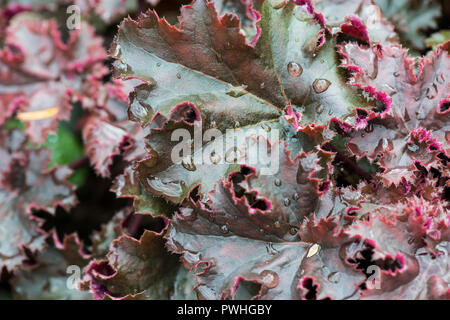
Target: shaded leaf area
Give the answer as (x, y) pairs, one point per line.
(139, 268)
(411, 18)
(58, 270)
(35, 177)
(27, 184)
(96, 206)
(40, 87)
(50, 279)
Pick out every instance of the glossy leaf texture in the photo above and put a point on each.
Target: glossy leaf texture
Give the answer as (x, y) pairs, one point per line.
(227, 149)
(226, 82)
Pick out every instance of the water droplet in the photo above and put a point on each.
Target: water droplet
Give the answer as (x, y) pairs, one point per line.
(269, 278)
(334, 277)
(214, 157)
(295, 69)
(321, 85)
(277, 224)
(286, 202)
(313, 250)
(262, 85)
(319, 109)
(296, 196)
(188, 164)
(277, 182)
(224, 229)
(178, 76)
(396, 74)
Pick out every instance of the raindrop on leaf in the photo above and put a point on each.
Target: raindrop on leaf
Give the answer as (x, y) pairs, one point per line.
(334, 277)
(321, 85)
(295, 69)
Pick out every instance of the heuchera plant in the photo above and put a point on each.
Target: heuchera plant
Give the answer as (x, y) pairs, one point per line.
(93, 204)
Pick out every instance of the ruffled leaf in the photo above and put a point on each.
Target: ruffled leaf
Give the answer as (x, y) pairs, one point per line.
(226, 71)
(29, 185)
(411, 18)
(40, 75)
